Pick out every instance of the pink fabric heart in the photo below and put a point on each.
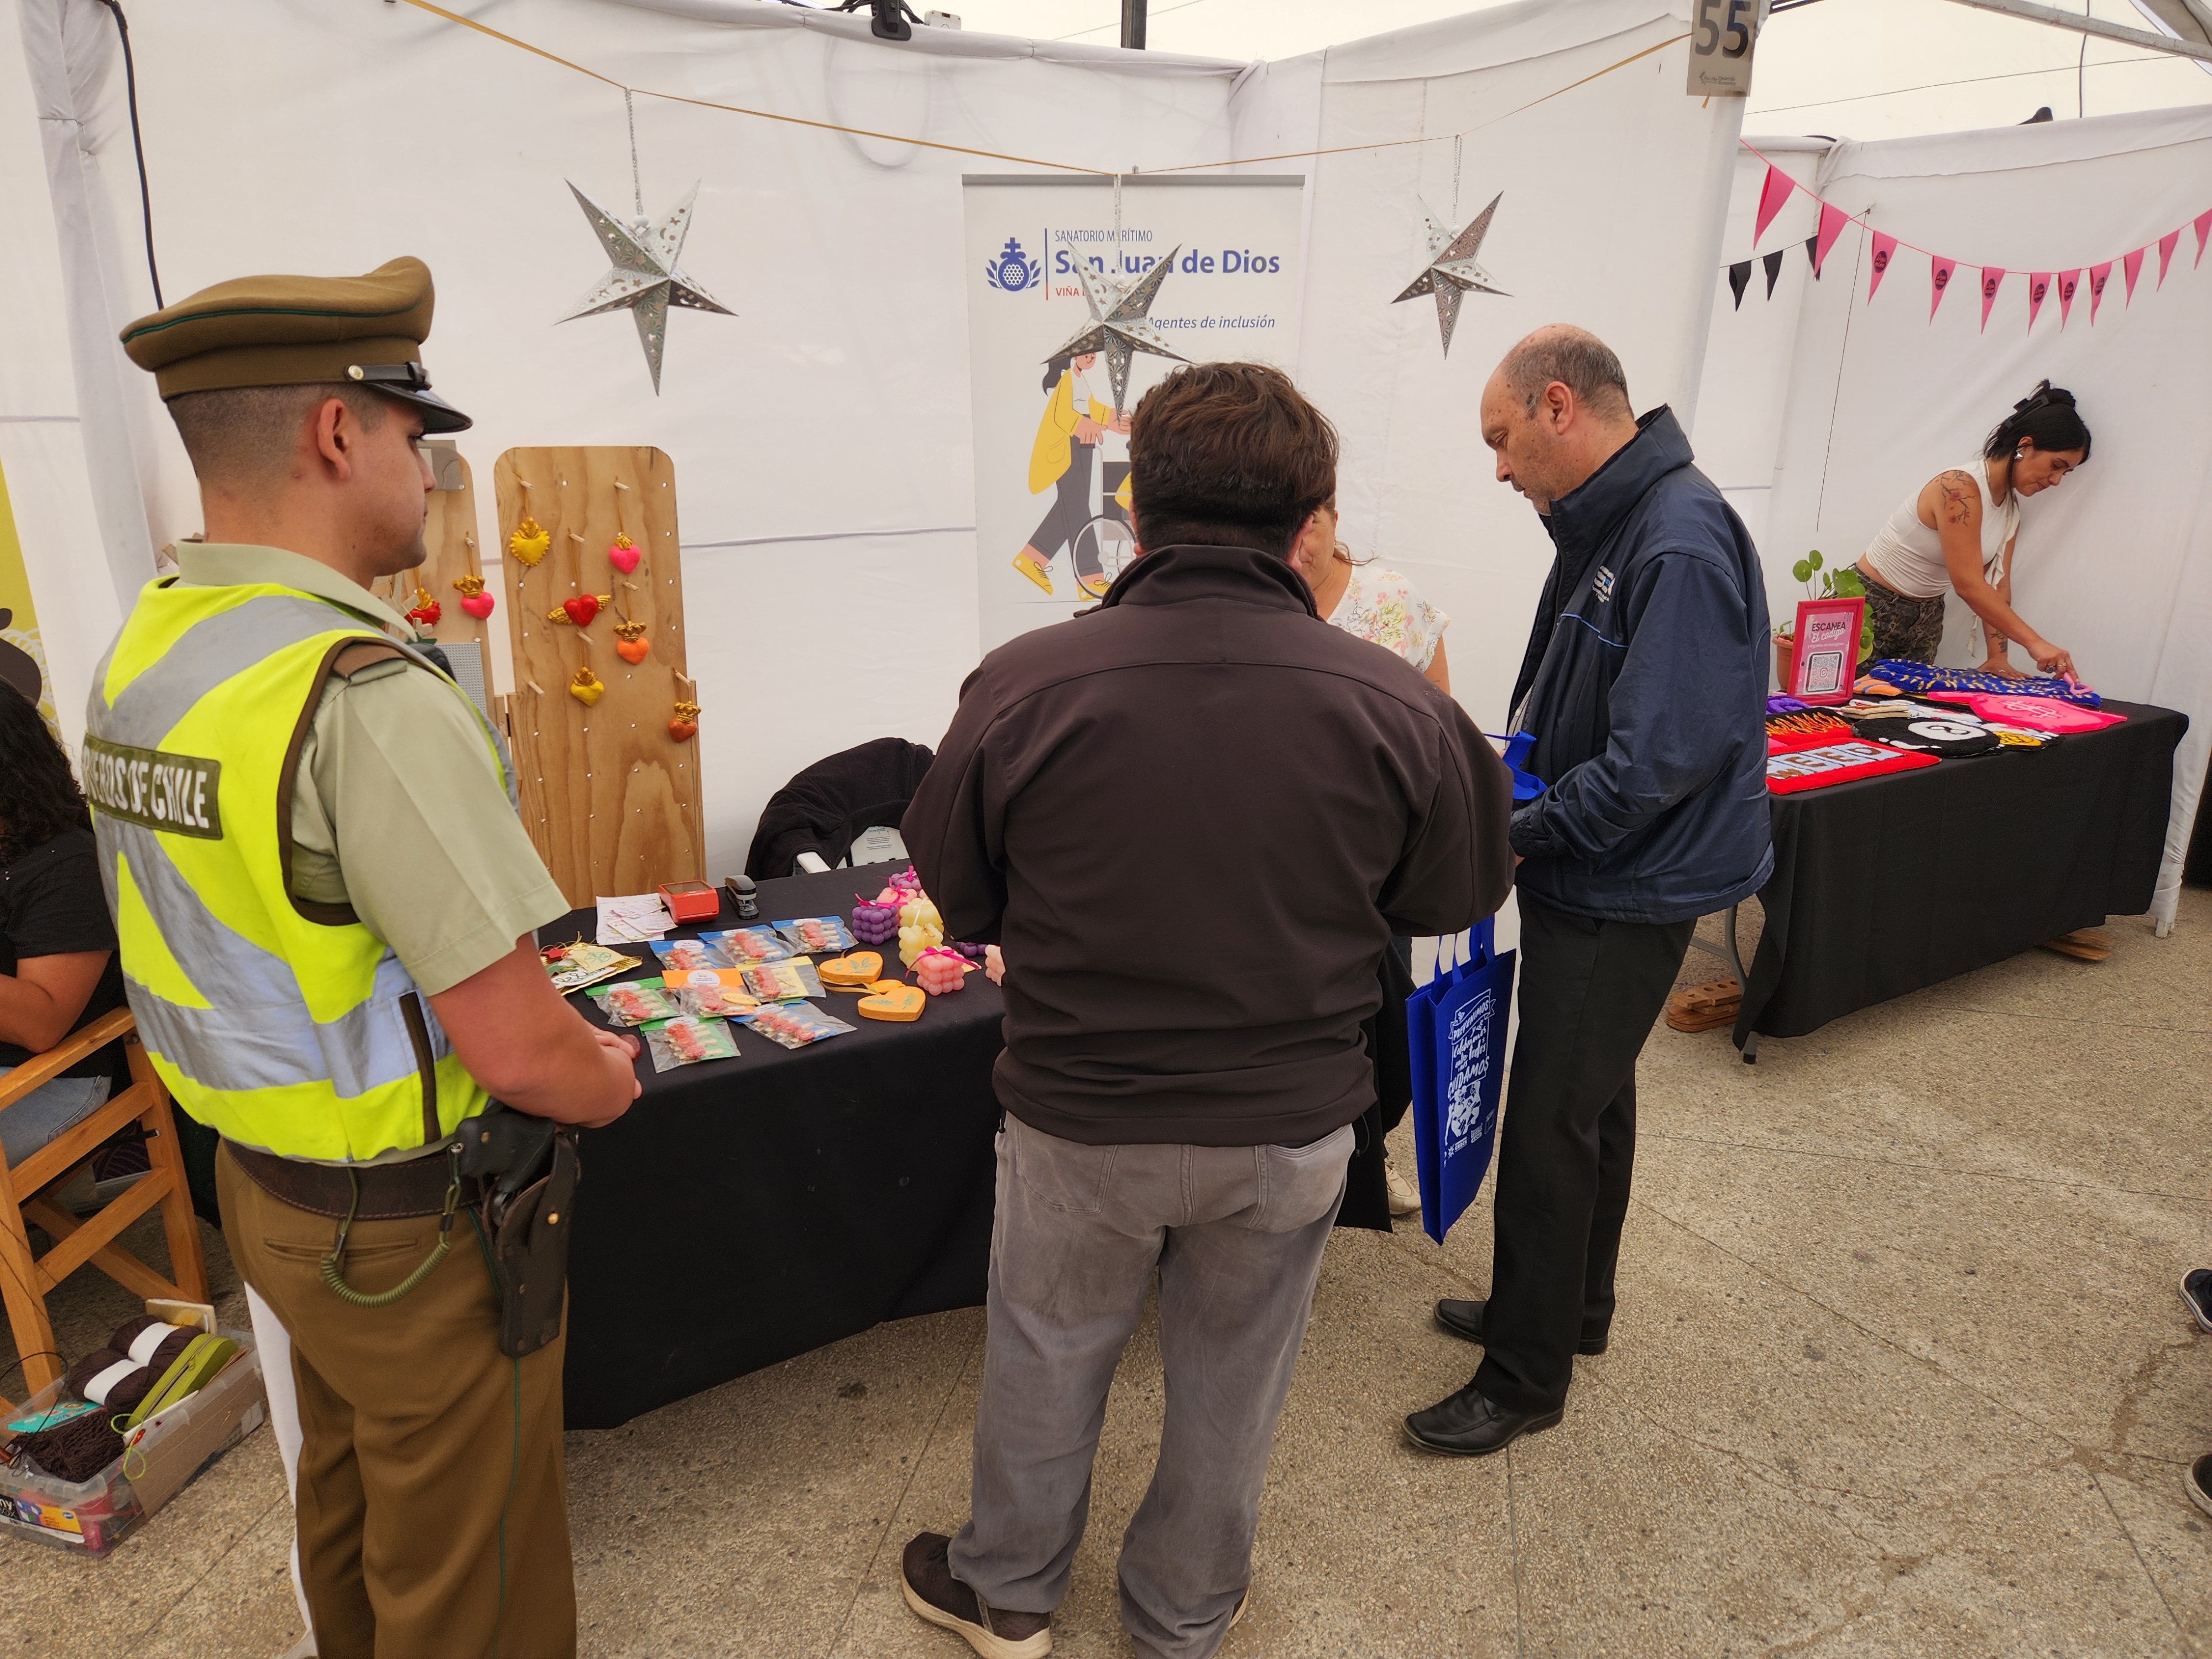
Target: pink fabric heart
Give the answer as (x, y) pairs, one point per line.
(623, 559)
(477, 605)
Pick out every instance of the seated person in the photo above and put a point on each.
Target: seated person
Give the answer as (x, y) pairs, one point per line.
(57, 965)
(1958, 530)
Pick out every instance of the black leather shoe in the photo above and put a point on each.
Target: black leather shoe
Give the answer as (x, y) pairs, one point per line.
(1471, 1425)
(1464, 1319)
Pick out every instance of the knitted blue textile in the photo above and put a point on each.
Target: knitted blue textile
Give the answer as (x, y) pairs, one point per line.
(1924, 677)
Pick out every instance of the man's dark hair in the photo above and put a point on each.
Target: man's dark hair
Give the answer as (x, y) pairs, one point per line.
(41, 798)
(1228, 454)
(246, 434)
(1578, 360)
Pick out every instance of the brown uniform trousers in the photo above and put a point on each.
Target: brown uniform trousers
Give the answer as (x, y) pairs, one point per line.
(433, 1501)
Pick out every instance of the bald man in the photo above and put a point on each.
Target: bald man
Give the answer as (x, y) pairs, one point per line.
(1644, 682)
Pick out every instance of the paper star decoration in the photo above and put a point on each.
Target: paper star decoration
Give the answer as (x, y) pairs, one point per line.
(1452, 272)
(645, 280)
(1119, 326)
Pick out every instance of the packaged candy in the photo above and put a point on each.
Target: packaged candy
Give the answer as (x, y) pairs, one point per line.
(781, 982)
(633, 1003)
(796, 1025)
(740, 946)
(710, 992)
(683, 955)
(817, 934)
(875, 921)
(939, 970)
(687, 1041)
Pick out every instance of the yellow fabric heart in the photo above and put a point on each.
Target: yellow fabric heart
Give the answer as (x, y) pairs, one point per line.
(587, 687)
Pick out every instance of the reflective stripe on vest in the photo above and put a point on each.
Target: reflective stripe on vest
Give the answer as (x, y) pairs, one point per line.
(307, 1038)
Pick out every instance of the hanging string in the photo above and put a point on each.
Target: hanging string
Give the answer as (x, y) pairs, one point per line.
(630, 103)
(1117, 219)
(436, 10)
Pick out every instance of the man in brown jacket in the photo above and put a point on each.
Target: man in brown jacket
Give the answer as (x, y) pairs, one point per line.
(1192, 818)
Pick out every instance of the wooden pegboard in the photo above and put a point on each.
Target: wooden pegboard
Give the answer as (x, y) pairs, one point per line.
(611, 798)
(449, 533)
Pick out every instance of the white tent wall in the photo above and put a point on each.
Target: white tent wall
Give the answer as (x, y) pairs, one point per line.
(820, 436)
(41, 451)
(1745, 380)
(1583, 235)
(2115, 565)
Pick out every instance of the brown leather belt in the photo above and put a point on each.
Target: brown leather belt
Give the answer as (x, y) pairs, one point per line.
(388, 1192)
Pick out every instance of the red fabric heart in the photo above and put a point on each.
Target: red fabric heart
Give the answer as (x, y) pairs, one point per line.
(682, 731)
(632, 651)
(425, 615)
(477, 605)
(581, 609)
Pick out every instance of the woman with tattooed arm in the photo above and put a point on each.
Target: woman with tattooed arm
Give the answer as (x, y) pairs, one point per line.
(1958, 533)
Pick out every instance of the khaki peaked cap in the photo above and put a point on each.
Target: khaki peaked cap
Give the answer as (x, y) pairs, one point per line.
(298, 331)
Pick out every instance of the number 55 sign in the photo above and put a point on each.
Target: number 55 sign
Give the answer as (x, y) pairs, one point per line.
(1722, 34)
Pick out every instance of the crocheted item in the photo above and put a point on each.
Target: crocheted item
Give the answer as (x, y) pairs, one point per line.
(1924, 677)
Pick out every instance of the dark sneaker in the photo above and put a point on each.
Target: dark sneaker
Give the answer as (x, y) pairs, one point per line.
(2199, 1482)
(2196, 1291)
(1464, 1319)
(925, 1575)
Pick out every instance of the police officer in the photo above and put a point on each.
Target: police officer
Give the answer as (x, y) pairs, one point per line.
(327, 908)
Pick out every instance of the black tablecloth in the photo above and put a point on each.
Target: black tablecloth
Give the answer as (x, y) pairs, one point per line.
(1889, 883)
(744, 1211)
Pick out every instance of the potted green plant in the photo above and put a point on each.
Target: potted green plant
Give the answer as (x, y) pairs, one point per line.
(1820, 584)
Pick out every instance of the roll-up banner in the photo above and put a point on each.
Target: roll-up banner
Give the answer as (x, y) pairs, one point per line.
(1045, 342)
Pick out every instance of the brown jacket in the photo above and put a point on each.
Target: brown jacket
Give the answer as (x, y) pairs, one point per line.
(1192, 818)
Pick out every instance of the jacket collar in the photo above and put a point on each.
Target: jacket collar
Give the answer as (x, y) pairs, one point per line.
(1171, 576)
(1584, 519)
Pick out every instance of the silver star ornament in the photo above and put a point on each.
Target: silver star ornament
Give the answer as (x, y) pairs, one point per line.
(1120, 328)
(1452, 273)
(646, 279)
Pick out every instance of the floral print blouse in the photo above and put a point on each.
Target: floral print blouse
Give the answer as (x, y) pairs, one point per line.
(1381, 605)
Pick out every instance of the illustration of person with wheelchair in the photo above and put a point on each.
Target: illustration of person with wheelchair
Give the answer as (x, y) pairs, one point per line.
(1089, 514)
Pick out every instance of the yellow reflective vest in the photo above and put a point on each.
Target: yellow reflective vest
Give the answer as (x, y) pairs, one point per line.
(281, 1026)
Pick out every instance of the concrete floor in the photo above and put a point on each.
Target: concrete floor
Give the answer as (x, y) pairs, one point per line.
(1899, 1370)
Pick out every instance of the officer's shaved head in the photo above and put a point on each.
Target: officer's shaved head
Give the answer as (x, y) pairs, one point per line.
(243, 438)
(1573, 357)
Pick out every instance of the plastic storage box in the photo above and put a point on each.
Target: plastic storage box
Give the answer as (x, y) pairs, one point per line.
(169, 1449)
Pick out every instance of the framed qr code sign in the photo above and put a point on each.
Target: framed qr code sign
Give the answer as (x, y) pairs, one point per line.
(1827, 654)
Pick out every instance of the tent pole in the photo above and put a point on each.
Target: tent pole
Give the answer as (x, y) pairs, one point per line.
(2074, 20)
(1132, 24)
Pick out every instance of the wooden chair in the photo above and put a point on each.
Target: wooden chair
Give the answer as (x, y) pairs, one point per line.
(26, 1196)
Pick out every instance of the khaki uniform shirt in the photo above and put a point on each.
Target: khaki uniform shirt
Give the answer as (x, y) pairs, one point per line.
(395, 811)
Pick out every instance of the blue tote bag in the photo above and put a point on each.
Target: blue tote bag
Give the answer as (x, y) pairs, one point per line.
(1455, 1034)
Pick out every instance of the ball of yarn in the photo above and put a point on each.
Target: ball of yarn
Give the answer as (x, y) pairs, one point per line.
(108, 1379)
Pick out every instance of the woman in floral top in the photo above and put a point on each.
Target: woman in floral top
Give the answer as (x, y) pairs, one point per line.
(1371, 601)
(1381, 607)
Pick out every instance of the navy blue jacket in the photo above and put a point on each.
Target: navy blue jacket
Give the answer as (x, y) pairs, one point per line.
(1646, 690)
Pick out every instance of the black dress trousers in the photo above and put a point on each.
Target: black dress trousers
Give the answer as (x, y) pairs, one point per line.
(1589, 993)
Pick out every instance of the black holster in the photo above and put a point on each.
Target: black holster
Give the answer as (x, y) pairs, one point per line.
(530, 1168)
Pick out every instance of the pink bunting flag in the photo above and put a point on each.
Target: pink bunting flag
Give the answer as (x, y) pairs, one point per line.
(1832, 221)
(1939, 278)
(2068, 282)
(2166, 247)
(1884, 247)
(2132, 264)
(1772, 195)
(2038, 288)
(2203, 230)
(2099, 275)
(1992, 279)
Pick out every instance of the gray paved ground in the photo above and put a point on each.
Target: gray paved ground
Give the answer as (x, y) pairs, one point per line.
(1899, 1370)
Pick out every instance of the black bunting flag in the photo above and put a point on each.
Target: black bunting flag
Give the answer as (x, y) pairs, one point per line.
(1773, 264)
(1739, 279)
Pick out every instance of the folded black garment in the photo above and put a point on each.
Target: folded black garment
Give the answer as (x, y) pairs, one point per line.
(1952, 737)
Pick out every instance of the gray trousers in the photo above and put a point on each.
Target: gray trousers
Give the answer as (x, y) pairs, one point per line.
(1236, 1234)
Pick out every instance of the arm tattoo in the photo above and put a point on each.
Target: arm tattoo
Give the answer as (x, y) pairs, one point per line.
(1961, 499)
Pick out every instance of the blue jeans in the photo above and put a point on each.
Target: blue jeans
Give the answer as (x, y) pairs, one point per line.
(32, 1123)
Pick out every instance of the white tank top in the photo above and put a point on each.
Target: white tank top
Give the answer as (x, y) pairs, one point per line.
(1908, 555)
